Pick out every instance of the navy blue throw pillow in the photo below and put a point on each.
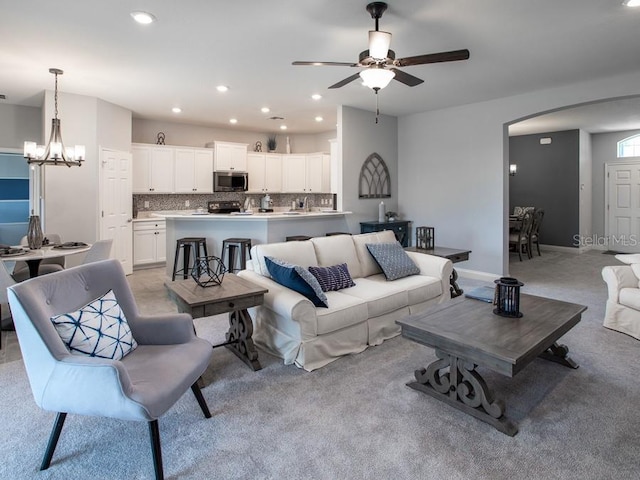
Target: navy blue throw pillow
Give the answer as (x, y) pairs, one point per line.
(333, 278)
(298, 279)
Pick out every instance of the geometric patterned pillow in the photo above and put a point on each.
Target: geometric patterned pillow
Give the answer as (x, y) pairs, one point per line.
(333, 278)
(393, 260)
(99, 329)
(297, 279)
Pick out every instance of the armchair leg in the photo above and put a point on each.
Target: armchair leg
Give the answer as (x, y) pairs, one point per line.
(53, 440)
(201, 401)
(155, 449)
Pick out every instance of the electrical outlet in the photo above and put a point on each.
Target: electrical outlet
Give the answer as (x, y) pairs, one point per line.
(186, 203)
(146, 204)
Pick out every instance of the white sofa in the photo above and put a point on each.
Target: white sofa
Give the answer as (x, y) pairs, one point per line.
(623, 304)
(288, 324)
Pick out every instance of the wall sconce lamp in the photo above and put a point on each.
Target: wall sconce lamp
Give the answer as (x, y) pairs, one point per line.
(513, 168)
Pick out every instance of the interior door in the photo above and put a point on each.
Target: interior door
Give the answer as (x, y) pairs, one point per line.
(623, 207)
(116, 204)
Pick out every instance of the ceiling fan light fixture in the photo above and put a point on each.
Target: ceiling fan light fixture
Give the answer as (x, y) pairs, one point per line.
(379, 43)
(376, 78)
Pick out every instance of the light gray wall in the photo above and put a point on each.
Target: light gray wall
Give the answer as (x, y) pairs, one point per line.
(146, 131)
(114, 126)
(18, 124)
(360, 136)
(548, 177)
(453, 165)
(586, 185)
(604, 150)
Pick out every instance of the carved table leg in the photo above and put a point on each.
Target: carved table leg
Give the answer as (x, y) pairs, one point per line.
(456, 382)
(456, 291)
(239, 338)
(560, 354)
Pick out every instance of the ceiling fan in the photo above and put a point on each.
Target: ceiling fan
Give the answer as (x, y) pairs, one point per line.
(380, 63)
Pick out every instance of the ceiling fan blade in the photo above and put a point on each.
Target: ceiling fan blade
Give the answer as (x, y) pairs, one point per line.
(433, 58)
(379, 43)
(404, 77)
(342, 83)
(330, 64)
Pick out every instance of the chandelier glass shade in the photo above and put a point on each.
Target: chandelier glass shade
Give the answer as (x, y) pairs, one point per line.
(376, 77)
(54, 153)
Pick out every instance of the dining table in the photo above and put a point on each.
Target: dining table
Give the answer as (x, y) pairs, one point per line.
(35, 256)
(514, 222)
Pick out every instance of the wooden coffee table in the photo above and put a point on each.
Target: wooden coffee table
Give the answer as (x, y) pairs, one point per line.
(235, 295)
(466, 334)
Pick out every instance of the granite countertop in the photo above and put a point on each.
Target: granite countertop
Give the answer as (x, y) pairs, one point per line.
(279, 215)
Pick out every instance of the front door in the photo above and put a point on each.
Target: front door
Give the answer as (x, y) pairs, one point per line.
(623, 207)
(116, 204)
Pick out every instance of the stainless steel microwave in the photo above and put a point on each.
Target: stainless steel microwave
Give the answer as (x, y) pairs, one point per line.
(230, 181)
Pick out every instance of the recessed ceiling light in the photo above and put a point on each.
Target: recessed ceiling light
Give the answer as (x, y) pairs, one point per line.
(144, 18)
(319, 118)
(265, 109)
(631, 3)
(176, 109)
(222, 88)
(233, 120)
(316, 96)
(283, 127)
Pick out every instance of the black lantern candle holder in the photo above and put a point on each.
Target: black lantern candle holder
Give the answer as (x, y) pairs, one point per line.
(507, 297)
(208, 271)
(425, 238)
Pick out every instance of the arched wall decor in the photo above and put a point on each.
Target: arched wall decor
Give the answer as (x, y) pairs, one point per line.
(375, 181)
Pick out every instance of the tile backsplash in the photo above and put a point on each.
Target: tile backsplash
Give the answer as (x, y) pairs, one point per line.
(160, 202)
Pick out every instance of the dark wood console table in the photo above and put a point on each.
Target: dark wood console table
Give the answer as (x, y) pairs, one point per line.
(234, 296)
(399, 227)
(455, 255)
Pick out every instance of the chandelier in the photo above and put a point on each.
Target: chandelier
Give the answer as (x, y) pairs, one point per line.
(55, 152)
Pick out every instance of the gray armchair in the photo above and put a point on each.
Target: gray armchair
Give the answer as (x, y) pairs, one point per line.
(141, 386)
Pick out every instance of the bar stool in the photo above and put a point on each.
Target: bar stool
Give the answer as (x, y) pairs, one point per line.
(185, 245)
(297, 238)
(331, 234)
(229, 246)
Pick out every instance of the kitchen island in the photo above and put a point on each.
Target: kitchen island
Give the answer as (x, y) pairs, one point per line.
(259, 227)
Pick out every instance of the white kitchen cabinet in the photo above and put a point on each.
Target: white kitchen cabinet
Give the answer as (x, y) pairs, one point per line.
(265, 172)
(230, 156)
(193, 170)
(149, 242)
(152, 170)
(326, 173)
(303, 173)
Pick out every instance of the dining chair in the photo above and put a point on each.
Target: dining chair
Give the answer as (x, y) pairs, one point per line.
(6, 281)
(101, 250)
(47, 265)
(534, 236)
(520, 239)
(87, 350)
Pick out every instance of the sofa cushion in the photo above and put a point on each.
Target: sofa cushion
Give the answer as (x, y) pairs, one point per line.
(381, 296)
(295, 253)
(333, 278)
(630, 297)
(419, 288)
(368, 265)
(344, 311)
(393, 260)
(335, 250)
(298, 279)
(99, 329)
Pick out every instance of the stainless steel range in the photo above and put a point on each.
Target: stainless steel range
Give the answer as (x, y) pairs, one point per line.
(223, 206)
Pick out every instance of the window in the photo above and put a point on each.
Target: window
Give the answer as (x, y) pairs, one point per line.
(629, 147)
(14, 198)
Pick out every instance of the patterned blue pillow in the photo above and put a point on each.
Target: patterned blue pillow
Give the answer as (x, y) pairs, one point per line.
(393, 260)
(298, 279)
(333, 278)
(99, 329)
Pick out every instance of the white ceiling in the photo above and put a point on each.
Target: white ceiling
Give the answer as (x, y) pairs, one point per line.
(516, 46)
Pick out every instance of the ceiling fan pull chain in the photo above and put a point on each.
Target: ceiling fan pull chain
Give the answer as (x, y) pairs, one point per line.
(377, 108)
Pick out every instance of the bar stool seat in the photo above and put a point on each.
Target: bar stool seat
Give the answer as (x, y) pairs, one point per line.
(230, 247)
(297, 238)
(185, 245)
